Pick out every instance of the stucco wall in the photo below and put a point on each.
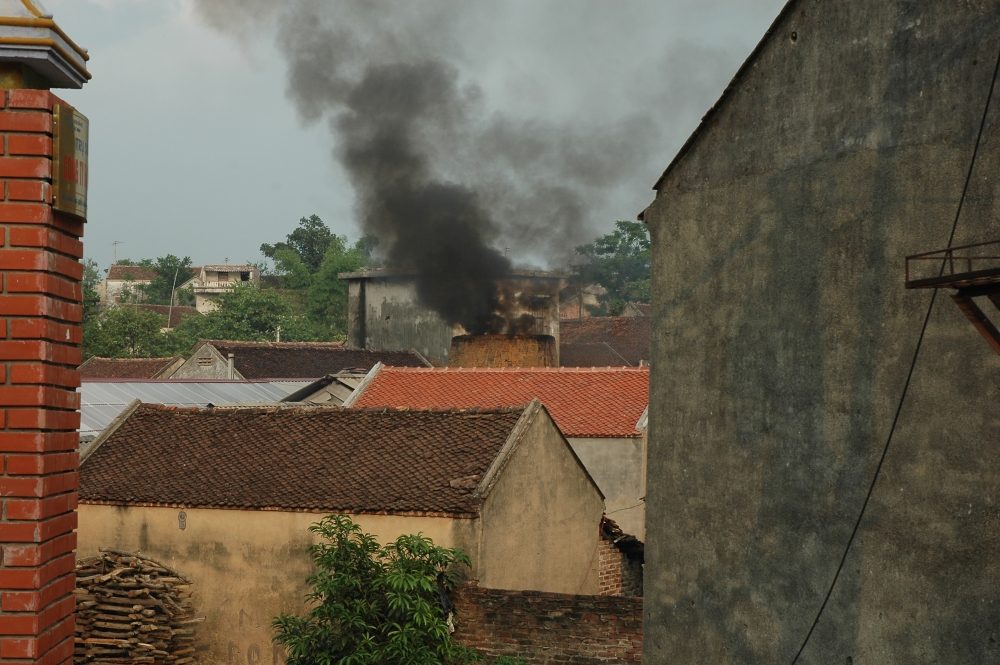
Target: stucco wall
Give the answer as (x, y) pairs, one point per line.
(218, 368)
(616, 467)
(541, 520)
(247, 566)
(782, 340)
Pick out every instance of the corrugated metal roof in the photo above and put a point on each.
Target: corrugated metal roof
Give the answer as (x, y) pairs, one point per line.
(102, 401)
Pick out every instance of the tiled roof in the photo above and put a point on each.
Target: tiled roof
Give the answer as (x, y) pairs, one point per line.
(307, 360)
(589, 355)
(124, 368)
(298, 458)
(627, 335)
(590, 403)
(138, 273)
(177, 313)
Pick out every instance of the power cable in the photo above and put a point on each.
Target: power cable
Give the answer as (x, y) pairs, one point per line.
(909, 375)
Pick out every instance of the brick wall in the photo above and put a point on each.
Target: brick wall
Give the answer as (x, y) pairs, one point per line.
(502, 351)
(617, 575)
(40, 338)
(546, 628)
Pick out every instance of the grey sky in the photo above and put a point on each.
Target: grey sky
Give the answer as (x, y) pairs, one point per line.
(197, 149)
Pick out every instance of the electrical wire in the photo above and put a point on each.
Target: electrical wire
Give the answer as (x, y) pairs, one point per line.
(909, 375)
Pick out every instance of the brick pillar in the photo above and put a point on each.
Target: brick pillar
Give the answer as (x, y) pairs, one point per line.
(40, 337)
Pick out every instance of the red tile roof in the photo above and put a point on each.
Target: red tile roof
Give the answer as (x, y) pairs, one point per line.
(303, 360)
(311, 459)
(124, 368)
(628, 336)
(588, 403)
(138, 273)
(177, 313)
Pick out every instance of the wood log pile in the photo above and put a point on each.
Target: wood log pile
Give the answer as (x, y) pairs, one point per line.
(131, 608)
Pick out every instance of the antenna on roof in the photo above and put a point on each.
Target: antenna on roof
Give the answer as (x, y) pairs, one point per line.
(114, 248)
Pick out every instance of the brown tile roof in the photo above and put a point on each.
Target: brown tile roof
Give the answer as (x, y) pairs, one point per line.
(628, 336)
(138, 273)
(590, 355)
(304, 360)
(298, 458)
(124, 368)
(591, 402)
(177, 313)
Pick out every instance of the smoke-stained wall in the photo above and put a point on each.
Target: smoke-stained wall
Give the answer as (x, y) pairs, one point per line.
(782, 342)
(385, 312)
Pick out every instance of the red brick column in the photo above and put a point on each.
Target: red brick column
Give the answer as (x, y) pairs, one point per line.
(40, 337)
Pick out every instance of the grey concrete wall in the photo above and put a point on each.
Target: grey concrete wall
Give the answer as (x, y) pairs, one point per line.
(616, 467)
(782, 339)
(391, 320)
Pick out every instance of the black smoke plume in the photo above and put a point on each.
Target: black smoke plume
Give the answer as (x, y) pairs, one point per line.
(439, 180)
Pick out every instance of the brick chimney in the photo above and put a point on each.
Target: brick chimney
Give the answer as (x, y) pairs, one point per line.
(43, 171)
(502, 351)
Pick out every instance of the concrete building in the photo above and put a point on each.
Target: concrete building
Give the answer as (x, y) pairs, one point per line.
(226, 495)
(791, 369)
(120, 278)
(384, 314)
(213, 281)
(229, 359)
(599, 410)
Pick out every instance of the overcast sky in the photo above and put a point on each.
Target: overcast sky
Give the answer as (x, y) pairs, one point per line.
(198, 151)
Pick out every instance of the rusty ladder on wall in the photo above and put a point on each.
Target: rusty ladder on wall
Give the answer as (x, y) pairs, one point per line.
(978, 275)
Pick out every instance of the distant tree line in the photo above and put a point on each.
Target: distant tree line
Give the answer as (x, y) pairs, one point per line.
(301, 295)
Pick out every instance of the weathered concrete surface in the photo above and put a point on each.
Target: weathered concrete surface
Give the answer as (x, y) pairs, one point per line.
(782, 339)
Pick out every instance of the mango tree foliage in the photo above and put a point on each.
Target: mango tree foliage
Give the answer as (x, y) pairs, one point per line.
(619, 262)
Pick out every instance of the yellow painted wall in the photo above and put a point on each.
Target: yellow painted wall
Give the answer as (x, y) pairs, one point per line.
(246, 566)
(541, 520)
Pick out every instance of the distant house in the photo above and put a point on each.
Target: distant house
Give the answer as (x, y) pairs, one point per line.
(575, 300)
(175, 314)
(604, 341)
(214, 280)
(129, 368)
(122, 276)
(210, 359)
(226, 495)
(600, 411)
(636, 309)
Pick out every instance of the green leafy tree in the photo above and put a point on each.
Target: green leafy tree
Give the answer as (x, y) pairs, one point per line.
(373, 604)
(309, 241)
(245, 312)
(326, 301)
(125, 332)
(619, 262)
(91, 298)
(170, 271)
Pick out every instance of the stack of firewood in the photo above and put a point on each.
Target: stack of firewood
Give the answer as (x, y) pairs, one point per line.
(131, 608)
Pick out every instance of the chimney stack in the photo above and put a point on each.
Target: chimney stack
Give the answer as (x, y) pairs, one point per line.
(503, 351)
(42, 214)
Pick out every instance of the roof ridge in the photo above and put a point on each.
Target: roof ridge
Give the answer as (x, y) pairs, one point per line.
(527, 370)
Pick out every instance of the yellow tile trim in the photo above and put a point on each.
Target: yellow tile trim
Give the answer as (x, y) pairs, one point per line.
(43, 23)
